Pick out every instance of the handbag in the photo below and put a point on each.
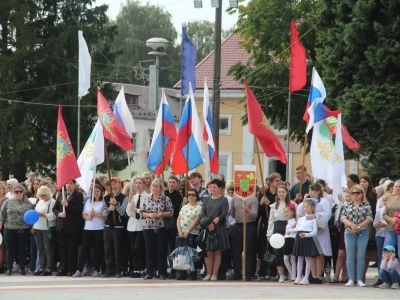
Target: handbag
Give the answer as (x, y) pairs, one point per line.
(170, 222)
(214, 242)
(179, 261)
(269, 257)
(201, 241)
(371, 239)
(51, 231)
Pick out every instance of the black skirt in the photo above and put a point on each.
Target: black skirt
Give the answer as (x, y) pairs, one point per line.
(289, 246)
(280, 227)
(305, 246)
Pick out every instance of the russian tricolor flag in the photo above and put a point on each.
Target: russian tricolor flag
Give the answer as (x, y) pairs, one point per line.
(208, 131)
(164, 138)
(188, 153)
(315, 110)
(123, 114)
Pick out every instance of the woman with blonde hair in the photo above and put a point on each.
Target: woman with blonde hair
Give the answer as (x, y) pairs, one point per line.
(356, 216)
(148, 179)
(3, 198)
(156, 208)
(44, 238)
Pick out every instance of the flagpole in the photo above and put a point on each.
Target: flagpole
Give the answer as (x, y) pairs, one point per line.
(93, 184)
(63, 196)
(78, 136)
(163, 140)
(109, 173)
(128, 154)
(244, 242)
(288, 140)
(263, 191)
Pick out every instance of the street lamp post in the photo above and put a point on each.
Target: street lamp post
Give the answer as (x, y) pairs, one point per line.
(217, 4)
(158, 47)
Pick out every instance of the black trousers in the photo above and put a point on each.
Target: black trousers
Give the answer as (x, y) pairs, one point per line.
(91, 239)
(17, 241)
(113, 238)
(156, 248)
(237, 248)
(68, 244)
(138, 250)
(171, 237)
(125, 252)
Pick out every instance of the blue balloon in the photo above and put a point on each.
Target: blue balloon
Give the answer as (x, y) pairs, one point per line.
(31, 217)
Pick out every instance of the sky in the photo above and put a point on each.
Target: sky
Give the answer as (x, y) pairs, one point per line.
(181, 10)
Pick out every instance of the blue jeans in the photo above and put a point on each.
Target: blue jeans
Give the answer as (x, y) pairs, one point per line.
(392, 238)
(379, 249)
(390, 276)
(356, 246)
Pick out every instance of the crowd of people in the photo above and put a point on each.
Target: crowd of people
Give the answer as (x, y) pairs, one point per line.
(82, 234)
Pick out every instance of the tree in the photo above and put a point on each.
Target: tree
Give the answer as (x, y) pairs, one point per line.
(264, 27)
(358, 46)
(39, 70)
(202, 34)
(136, 24)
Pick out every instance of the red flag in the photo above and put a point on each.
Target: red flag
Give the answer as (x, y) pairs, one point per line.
(298, 61)
(260, 127)
(113, 131)
(67, 167)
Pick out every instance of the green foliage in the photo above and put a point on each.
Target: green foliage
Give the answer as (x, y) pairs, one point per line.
(39, 65)
(264, 27)
(136, 24)
(359, 49)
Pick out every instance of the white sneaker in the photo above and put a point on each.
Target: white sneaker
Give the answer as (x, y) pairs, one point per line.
(282, 279)
(304, 282)
(349, 283)
(384, 286)
(395, 286)
(297, 281)
(361, 284)
(16, 268)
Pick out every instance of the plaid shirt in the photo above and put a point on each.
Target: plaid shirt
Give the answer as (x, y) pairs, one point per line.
(356, 214)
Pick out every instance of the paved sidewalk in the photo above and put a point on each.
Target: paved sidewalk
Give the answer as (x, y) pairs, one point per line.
(60, 288)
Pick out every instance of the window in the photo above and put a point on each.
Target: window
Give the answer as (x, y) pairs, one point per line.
(225, 124)
(133, 173)
(151, 133)
(225, 166)
(132, 100)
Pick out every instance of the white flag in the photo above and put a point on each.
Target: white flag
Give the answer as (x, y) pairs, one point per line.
(123, 114)
(85, 62)
(91, 156)
(337, 176)
(321, 151)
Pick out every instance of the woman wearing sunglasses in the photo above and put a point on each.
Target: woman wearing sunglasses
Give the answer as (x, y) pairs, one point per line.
(356, 216)
(16, 231)
(188, 225)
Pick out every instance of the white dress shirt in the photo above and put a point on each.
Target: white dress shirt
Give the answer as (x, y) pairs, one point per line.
(133, 223)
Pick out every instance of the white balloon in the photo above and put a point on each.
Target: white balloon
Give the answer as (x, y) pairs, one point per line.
(277, 241)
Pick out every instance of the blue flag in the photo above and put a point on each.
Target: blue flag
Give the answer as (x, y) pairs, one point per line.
(189, 53)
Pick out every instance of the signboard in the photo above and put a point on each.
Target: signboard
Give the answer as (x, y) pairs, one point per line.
(245, 181)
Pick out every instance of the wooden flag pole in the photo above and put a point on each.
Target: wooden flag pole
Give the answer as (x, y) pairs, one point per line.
(63, 197)
(93, 183)
(264, 192)
(303, 160)
(109, 174)
(244, 242)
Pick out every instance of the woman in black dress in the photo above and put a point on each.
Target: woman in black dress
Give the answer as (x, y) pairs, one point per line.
(213, 215)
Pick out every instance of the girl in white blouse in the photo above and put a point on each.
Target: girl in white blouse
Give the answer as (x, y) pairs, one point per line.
(135, 226)
(46, 220)
(290, 260)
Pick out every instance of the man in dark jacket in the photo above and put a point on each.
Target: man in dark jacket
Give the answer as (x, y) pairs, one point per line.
(114, 209)
(68, 209)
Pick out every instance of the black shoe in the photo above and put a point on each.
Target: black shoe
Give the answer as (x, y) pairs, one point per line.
(22, 272)
(46, 273)
(248, 278)
(374, 265)
(162, 277)
(143, 274)
(9, 272)
(61, 274)
(221, 277)
(118, 275)
(147, 277)
(126, 274)
(107, 275)
(171, 276)
(157, 276)
(204, 274)
(134, 275)
(378, 283)
(38, 273)
(234, 277)
(193, 276)
(69, 274)
(1, 270)
(182, 277)
(315, 280)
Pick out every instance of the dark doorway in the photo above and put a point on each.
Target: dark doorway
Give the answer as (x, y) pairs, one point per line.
(281, 169)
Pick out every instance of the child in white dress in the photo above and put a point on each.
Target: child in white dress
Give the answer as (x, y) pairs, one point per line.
(290, 260)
